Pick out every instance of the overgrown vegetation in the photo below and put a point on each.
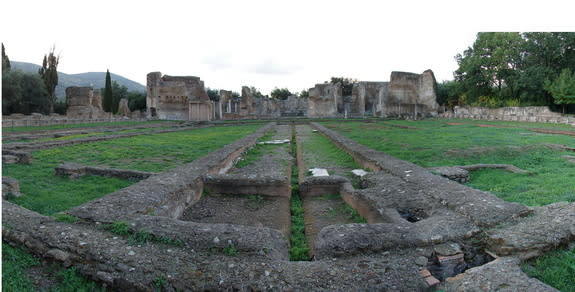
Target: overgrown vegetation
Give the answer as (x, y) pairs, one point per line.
(556, 268)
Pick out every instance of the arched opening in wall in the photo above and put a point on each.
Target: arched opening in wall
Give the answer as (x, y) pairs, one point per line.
(153, 112)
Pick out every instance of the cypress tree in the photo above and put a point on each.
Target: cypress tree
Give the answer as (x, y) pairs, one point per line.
(5, 61)
(107, 98)
(49, 74)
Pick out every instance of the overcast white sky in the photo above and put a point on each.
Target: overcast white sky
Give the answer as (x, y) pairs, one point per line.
(266, 44)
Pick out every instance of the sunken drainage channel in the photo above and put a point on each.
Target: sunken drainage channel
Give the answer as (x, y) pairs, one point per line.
(299, 250)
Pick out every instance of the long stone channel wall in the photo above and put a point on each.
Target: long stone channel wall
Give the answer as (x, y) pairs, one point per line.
(541, 114)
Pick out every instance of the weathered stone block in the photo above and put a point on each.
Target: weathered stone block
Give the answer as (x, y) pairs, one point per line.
(10, 187)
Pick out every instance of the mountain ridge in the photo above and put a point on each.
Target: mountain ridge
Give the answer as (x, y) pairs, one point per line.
(94, 79)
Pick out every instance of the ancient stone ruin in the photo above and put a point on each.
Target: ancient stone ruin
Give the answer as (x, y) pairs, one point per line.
(84, 103)
(184, 98)
(405, 95)
(177, 98)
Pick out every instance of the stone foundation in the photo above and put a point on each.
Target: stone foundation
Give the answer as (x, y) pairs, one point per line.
(74, 171)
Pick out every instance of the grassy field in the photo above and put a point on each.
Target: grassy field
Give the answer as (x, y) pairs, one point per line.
(428, 143)
(48, 194)
(9, 129)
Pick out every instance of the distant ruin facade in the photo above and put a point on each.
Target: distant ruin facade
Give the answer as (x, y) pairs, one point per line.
(405, 95)
(177, 98)
(83, 103)
(185, 98)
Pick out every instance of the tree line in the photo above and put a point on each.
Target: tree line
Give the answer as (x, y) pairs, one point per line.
(513, 69)
(27, 93)
(276, 93)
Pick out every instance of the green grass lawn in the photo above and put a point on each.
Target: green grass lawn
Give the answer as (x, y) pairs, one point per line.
(550, 178)
(48, 194)
(319, 150)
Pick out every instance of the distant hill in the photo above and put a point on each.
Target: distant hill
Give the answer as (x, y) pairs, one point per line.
(95, 79)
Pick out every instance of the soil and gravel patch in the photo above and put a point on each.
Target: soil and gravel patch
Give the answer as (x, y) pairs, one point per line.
(248, 210)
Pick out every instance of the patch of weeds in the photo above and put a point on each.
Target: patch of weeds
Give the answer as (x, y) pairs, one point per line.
(255, 201)
(66, 218)
(140, 237)
(15, 262)
(119, 228)
(160, 282)
(72, 280)
(347, 212)
(230, 250)
(169, 241)
(556, 269)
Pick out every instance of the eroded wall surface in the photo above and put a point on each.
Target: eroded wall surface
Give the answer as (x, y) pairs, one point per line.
(177, 98)
(185, 98)
(83, 103)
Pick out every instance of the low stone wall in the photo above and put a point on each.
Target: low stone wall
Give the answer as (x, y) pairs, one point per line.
(39, 120)
(16, 156)
(75, 170)
(541, 114)
(246, 184)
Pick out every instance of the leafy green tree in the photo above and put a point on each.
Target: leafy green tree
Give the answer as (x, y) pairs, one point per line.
(304, 94)
(346, 84)
(447, 93)
(490, 67)
(256, 92)
(137, 100)
(49, 74)
(545, 54)
(5, 61)
(23, 93)
(236, 95)
(107, 98)
(213, 94)
(563, 88)
(118, 92)
(280, 93)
